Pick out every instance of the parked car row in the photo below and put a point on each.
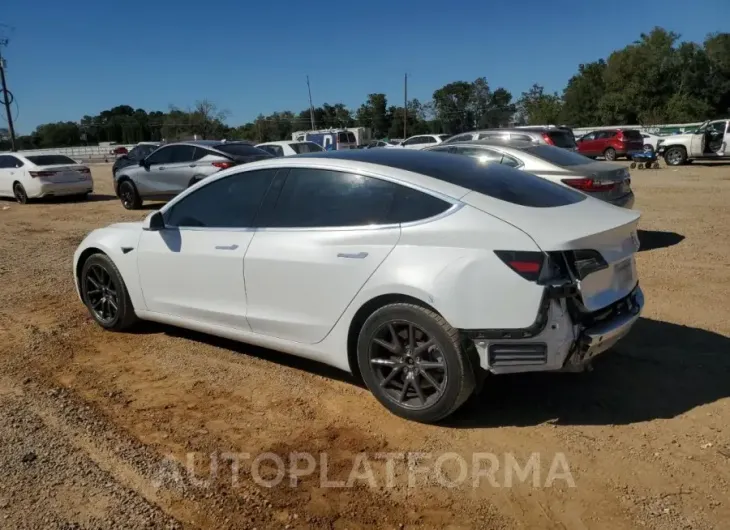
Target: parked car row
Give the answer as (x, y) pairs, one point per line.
(421, 271)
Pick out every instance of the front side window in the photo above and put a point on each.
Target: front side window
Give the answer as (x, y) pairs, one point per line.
(230, 202)
(9, 162)
(322, 198)
(414, 141)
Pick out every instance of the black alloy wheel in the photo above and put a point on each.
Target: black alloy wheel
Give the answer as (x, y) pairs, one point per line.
(104, 293)
(413, 362)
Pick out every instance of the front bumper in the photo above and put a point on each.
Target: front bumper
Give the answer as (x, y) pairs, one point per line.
(567, 339)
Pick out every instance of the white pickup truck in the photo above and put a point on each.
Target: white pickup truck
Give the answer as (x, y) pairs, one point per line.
(711, 140)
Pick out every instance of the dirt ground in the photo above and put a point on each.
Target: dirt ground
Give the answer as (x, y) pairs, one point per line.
(96, 428)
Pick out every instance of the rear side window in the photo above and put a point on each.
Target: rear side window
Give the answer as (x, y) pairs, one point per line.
(181, 153)
(520, 137)
(50, 160)
(274, 150)
(632, 134)
(9, 162)
(306, 147)
(561, 138)
(322, 198)
(346, 137)
(240, 149)
(558, 156)
(412, 205)
(230, 202)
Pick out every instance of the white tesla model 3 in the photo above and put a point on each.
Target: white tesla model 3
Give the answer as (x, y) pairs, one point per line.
(420, 272)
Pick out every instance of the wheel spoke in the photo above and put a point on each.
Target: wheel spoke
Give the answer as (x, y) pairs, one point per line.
(404, 390)
(98, 302)
(112, 303)
(423, 347)
(430, 365)
(396, 339)
(395, 371)
(419, 391)
(431, 380)
(392, 348)
(411, 337)
(93, 282)
(383, 362)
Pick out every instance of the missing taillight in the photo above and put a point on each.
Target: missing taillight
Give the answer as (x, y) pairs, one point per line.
(525, 263)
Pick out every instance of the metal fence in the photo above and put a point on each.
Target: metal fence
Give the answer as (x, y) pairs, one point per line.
(88, 153)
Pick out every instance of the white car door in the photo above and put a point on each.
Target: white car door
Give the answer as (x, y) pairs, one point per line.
(318, 244)
(725, 149)
(5, 178)
(193, 268)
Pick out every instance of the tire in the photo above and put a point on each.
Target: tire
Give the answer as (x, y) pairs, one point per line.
(404, 389)
(99, 273)
(675, 156)
(19, 193)
(129, 196)
(633, 165)
(648, 149)
(610, 154)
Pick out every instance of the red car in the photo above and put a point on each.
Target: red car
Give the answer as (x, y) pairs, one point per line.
(610, 143)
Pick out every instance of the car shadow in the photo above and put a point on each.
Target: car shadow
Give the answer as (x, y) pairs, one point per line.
(654, 239)
(274, 356)
(660, 370)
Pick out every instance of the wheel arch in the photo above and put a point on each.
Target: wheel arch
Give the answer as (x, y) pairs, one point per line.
(83, 257)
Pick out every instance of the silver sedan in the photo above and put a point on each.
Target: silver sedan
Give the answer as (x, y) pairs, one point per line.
(602, 180)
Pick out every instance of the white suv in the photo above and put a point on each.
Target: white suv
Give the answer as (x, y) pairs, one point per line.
(710, 140)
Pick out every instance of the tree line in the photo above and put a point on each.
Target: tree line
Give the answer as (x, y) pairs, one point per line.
(656, 79)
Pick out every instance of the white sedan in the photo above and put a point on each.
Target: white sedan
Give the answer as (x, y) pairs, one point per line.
(419, 271)
(421, 141)
(27, 177)
(286, 148)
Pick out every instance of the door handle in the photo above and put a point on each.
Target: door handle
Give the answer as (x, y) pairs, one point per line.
(193, 165)
(224, 247)
(161, 168)
(356, 255)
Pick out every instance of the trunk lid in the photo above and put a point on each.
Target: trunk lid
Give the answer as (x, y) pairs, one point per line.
(62, 174)
(606, 174)
(573, 231)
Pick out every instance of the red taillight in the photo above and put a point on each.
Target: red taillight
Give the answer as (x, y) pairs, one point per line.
(525, 263)
(548, 140)
(589, 185)
(36, 174)
(223, 165)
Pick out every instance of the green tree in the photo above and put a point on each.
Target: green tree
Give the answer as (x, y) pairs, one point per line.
(535, 107)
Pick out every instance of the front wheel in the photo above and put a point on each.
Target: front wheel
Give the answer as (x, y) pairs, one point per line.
(129, 196)
(105, 294)
(411, 359)
(675, 156)
(610, 154)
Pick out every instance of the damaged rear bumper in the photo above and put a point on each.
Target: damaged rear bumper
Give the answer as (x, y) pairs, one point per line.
(563, 338)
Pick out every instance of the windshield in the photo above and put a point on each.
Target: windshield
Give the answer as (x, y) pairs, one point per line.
(51, 160)
(558, 156)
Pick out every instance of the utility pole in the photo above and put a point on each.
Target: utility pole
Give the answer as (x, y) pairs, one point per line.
(311, 107)
(7, 96)
(405, 107)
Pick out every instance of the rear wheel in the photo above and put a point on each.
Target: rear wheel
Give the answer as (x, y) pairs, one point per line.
(648, 149)
(129, 196)
(105, 294)
(19, 193)
(675, 156)
(412, 360)
(609, 154)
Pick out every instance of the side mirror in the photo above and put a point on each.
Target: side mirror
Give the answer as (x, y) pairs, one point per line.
(154, 222)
